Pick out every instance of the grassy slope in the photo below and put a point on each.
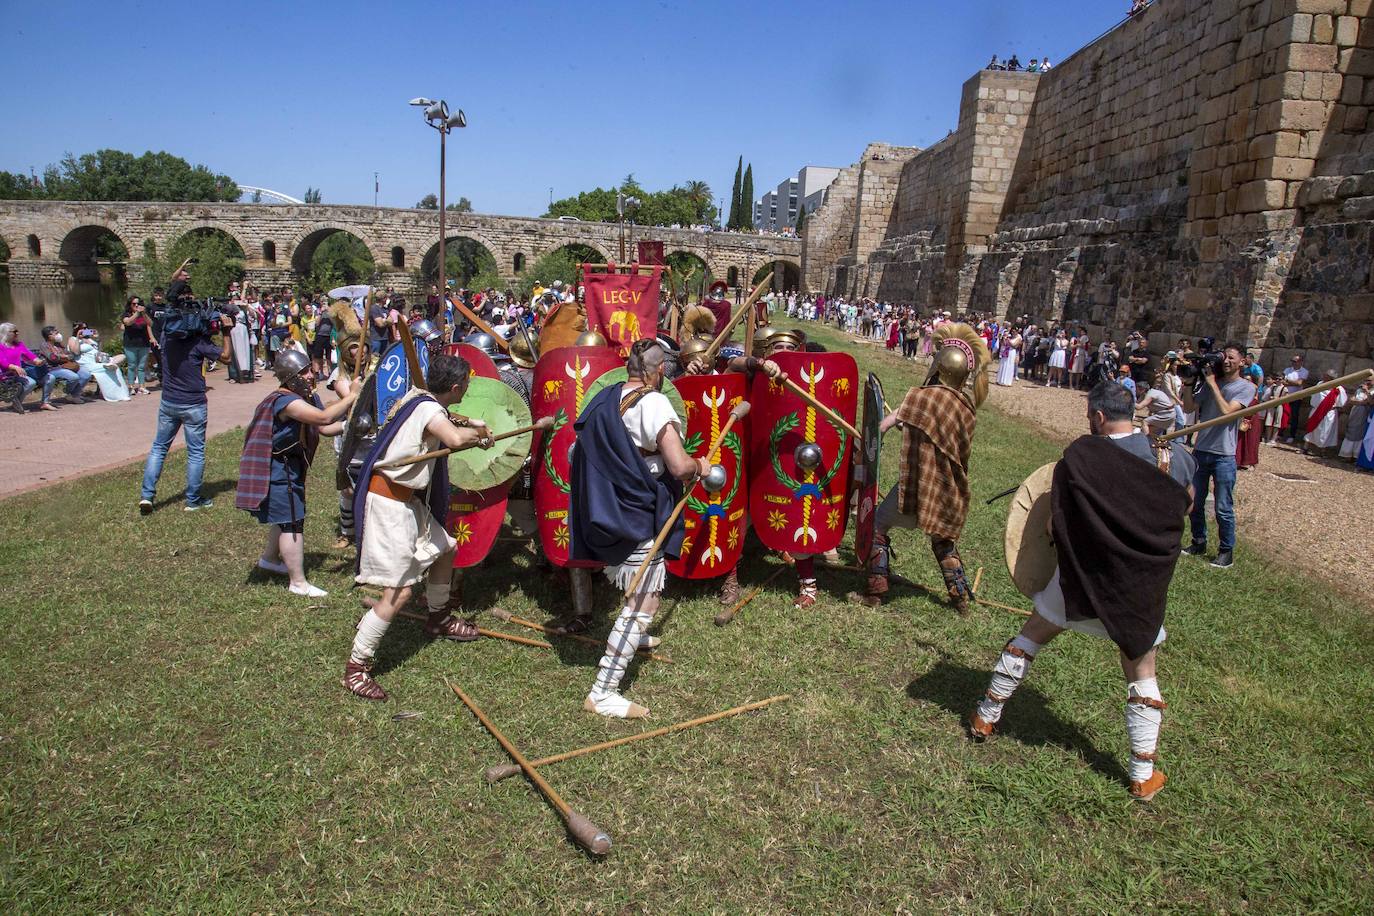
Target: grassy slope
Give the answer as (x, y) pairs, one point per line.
(173, 735)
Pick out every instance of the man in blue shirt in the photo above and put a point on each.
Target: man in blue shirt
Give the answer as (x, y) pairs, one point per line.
(1215, 451)
(183, 403)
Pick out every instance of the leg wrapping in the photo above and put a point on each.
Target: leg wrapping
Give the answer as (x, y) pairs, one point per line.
(1011, 668)
(1144, 716)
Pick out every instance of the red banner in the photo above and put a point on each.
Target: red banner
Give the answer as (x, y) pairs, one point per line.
(651, 253)
(623, 307)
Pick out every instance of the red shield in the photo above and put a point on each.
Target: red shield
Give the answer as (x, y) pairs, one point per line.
(475, 517)
(562, 379)
(715, 521)
(866, 469)
(801, 510)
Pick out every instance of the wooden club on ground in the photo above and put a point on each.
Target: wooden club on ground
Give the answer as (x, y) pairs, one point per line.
(586, 834)
(502, 771)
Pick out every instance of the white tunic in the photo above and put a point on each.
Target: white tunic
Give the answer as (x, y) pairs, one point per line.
(401, 540)
(644, 421)
(1324, 436)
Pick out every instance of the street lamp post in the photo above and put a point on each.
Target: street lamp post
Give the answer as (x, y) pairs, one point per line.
(437, 117)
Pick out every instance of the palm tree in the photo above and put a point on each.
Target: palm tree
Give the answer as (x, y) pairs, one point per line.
(699, 193)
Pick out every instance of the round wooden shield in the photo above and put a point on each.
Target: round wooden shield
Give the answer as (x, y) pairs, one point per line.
(475, 516)
(802, 511)
(621, 376)
(866, 469)
(1031, 557)
(563, 379)
(715, 521)
(495, 403)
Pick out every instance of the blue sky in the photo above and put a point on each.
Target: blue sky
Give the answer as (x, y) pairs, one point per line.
(561, 95)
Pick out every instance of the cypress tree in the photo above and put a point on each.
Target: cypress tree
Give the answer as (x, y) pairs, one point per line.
(733, 222)
(746, 197)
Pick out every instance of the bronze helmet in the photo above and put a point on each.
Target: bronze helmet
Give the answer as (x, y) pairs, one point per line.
(520, 349)
(590, 338)
(692, 348)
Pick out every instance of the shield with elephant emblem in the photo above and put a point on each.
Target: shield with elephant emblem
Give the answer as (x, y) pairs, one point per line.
(715, 522)
(563, 380)
(799, 459)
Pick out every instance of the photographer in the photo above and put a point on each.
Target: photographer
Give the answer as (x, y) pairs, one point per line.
(185, 347)
(1217, 390)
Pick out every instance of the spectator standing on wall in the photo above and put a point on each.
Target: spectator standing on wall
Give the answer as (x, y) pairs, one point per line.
(1045, 65)
(1013, 63)
(994, 64)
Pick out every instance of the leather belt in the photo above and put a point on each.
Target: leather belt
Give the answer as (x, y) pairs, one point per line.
(383, 485)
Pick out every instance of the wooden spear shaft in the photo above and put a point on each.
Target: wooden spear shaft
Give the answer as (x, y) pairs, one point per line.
(1353, 378)
(802, 393)
(494, 634)
(507, 616)
(497, 773)
(740, 410)
(543, 423)
(481, 325)
(586, 834)
(728, 615)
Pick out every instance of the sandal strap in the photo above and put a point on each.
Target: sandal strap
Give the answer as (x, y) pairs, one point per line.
(1148, 701)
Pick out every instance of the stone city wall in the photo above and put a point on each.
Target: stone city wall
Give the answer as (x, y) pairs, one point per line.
(1203, 169)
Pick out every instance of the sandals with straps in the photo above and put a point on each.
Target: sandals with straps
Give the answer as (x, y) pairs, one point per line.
(358, 681)
(450, 627)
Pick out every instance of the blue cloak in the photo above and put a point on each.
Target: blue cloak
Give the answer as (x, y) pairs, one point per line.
(616, 503)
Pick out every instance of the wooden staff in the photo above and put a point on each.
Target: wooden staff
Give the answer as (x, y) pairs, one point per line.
(494, 634)
(728, 615)
(1353, 378)
(709, 356)
(477, 322)
(802, 393)
(498, 773)
(902, 580)
(507, 616)
(539, 425)
(977, 580)
(417, 376)
(586, 834)
(738, 413)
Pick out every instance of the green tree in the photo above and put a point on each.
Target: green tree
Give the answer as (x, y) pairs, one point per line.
(17, 186)
(559, 264)
(111, 174)
(428, 202)
(219, 260)
(463, 206)
(312, 195)
(746, 199)
(733, 221)
(689, 278)
(339, 260)
(699, 194)
(801, 220)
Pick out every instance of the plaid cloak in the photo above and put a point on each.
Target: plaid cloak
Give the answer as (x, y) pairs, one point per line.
(938, 425)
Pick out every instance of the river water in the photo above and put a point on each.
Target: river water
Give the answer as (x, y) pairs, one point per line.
(32, 307)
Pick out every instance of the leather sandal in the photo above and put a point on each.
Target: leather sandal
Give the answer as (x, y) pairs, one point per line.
(450, 627)
(571, 626)
(358, 681)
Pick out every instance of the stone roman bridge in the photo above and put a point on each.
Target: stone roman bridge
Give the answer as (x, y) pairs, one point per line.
(52, 242)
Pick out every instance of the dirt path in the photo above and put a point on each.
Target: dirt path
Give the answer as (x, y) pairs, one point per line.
(1317, 522)
(41, 448)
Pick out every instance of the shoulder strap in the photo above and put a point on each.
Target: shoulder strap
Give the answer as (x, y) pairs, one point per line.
(633, 398)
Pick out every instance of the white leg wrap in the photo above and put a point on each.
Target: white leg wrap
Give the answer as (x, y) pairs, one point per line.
(437, 594)
(1007, 674)
(1142, 726)
(624, 639)
(371, 629)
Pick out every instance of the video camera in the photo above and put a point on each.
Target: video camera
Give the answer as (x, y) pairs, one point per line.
(189, 317)
(1198, 365)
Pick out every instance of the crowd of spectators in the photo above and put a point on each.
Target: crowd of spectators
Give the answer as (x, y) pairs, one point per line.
(1013, 63)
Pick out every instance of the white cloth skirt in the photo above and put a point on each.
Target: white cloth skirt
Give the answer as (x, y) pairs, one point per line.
(1050, 605)
(655, 577)
(401, 540)
(1006, 369)
(1058, 359)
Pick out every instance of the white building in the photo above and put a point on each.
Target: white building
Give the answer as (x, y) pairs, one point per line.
(778, 209)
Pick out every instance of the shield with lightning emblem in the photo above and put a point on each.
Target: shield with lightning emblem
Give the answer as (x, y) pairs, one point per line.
(715, 521)
(799, 459)
(563, 380)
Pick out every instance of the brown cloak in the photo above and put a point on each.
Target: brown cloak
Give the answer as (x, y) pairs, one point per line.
(938, 425)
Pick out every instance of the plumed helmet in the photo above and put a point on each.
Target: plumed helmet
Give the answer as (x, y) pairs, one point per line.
(425, 330)
(520, 349)
(698, 319)
(961, 360)
(289, 364)
(718, 289)
(693, 347)
(590, 338)
(484, 342)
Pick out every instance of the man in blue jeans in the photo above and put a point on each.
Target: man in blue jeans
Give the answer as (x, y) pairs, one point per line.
(1221, 393)
(183, 405)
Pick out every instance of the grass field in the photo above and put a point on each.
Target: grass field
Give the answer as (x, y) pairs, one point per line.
(173, 736)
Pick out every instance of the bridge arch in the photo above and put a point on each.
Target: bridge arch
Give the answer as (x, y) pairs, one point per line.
(200, 227)
(300, 250)
(786, 274)
(81, 244)
(477, 253)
